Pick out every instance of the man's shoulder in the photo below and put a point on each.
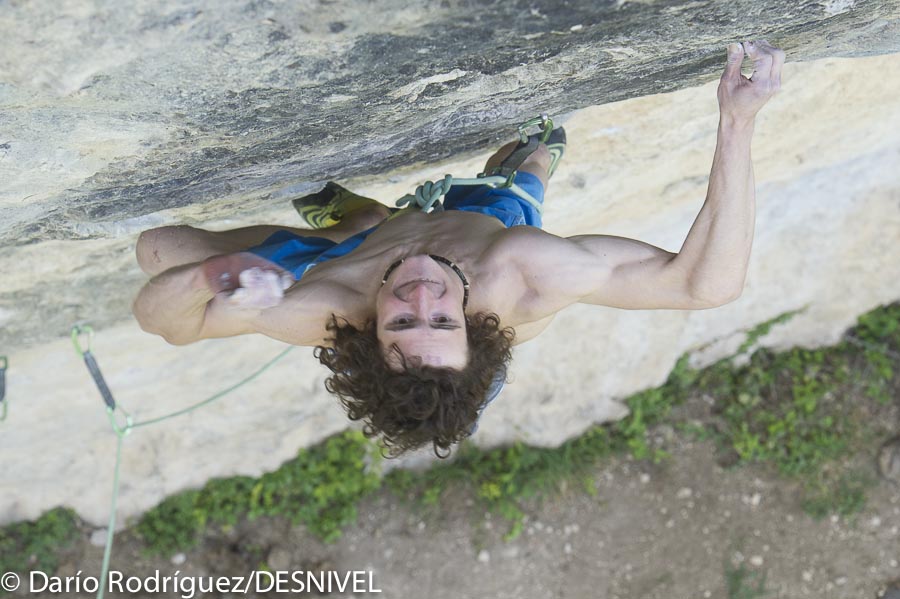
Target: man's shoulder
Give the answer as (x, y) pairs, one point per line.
(527, 247)
(515, 240)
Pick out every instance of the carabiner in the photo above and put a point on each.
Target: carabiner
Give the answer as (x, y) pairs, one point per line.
(78, 331)
(493, 184)
(119, 430)
(545, 124)
(91, 362)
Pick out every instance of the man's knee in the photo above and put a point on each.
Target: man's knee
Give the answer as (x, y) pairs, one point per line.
(153, 246)
(367, 216)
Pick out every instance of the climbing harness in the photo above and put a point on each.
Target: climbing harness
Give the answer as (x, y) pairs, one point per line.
(3, 406)
(121, 430)
(427, 196)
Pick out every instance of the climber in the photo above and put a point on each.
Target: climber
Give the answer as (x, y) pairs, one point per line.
(414, 313)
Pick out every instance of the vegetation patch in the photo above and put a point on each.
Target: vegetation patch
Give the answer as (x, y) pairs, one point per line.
(805, 411)
(36, 545)
(320, 488)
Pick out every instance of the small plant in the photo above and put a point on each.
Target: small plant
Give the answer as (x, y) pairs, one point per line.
(743, 583)
(173, 525)
(763, 329)
(35, 545)
(845, 497)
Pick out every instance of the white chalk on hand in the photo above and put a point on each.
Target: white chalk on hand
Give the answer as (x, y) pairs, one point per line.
(259, 289)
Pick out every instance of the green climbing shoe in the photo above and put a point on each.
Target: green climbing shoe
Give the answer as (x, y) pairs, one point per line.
(329, 205)
(556, 143)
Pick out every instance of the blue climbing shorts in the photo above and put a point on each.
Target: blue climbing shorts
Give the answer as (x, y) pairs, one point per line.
(298, 254)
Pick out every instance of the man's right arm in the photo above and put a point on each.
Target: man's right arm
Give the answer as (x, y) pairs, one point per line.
(235, 294)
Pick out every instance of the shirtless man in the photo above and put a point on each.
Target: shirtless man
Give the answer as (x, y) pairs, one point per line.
(415, 314)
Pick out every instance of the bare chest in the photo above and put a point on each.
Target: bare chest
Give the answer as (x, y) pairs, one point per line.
(471, 241)
(463, 236)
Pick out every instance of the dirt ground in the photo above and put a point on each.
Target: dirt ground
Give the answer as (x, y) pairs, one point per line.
(680, 529)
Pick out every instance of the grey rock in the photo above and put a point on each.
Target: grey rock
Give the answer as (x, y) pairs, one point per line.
(98, 537)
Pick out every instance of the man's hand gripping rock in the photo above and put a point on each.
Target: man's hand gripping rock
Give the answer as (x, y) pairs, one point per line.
(740, 97)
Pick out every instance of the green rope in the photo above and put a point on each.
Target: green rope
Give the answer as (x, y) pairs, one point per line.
(427, 195)
(122, 430)
(220, 394)
(111, 526)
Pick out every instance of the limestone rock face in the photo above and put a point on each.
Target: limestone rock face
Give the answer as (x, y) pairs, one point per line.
(119, 119)
(113, 114)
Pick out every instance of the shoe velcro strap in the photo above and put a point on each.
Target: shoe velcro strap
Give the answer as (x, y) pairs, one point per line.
(519, 155)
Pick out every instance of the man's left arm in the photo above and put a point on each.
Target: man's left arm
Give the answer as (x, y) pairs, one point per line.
(710, 269)
(716, 252)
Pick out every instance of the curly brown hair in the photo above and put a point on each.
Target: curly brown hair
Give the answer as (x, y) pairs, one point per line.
(418, 404)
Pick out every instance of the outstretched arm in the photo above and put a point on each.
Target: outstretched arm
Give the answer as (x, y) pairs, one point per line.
(710, 269)
(717, 250)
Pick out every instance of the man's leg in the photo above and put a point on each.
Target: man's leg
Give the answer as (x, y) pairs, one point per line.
(538, 164)
(511, 207)
(166, 247)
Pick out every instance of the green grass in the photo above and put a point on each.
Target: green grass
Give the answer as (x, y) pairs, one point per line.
(843, 494)
(802, 412)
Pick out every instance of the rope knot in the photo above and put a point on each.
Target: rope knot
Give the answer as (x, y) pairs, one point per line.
(427, 194)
